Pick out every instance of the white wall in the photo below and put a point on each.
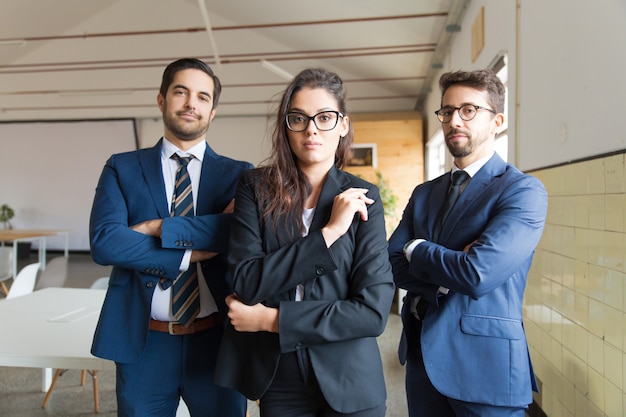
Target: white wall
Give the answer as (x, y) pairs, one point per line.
(50, 171)
(243, 138)
(567, 61)
(572, 63)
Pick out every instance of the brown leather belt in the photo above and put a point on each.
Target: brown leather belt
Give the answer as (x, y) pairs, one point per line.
(198, 325)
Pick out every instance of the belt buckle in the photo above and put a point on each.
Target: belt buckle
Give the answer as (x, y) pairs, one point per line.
(170, 327)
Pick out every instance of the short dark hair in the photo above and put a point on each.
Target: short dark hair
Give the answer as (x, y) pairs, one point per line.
(485, 80)
(190, 63)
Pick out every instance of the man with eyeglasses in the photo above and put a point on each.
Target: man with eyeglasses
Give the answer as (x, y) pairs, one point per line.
(464, 265)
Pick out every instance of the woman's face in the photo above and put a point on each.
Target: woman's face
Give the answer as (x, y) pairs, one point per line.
(312, 147)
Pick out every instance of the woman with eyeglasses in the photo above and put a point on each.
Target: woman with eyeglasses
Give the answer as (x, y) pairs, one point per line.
(310, 271)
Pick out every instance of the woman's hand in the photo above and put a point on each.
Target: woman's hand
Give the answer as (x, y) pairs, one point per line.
(345, 206)
(256, 318)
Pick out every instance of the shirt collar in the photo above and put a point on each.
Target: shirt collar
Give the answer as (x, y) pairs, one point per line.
(474, 167)
(168, 148)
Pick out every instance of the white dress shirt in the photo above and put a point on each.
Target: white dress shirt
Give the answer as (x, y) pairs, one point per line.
(161, 300)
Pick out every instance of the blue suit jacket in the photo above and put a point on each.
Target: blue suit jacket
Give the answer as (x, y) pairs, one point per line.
(131, 190)
(473, 340)
(348, 290)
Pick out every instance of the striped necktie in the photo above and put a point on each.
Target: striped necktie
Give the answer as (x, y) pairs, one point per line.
(185, 293)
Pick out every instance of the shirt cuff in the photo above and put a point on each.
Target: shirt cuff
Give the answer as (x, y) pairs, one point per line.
(410, 246)
(184, 263)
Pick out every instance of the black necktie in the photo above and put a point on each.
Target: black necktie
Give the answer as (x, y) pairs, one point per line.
(458, 178)
(185, 293)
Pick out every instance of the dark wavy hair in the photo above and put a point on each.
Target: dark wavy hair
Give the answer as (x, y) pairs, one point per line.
(485, 80)
(284, 187)
(190, 63)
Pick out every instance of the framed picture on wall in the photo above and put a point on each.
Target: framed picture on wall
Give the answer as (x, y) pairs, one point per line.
(363, 155)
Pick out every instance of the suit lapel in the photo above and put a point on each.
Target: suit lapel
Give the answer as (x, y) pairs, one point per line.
(478, 185)
(150, 161)
(212, 169)
(336, 182)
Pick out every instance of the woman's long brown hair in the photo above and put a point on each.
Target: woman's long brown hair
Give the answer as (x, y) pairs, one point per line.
(283, 188)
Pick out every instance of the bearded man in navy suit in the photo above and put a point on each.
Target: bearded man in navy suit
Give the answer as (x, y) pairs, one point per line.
(159, 359)
(465, 272)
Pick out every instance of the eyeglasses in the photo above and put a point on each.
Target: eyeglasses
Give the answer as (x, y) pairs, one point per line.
(324, 120)
(466, 112)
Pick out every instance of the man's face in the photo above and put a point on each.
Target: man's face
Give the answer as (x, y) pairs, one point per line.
(469, 140)
(187, 107)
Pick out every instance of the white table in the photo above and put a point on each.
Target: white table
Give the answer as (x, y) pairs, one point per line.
(51, 328)
(18, 235)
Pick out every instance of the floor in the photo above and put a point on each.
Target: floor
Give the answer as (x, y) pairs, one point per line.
(20, 388)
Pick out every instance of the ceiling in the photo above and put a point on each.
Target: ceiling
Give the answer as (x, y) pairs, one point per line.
(88, 59)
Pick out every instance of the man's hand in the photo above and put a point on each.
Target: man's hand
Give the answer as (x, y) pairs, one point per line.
(149, 227)
(256, 318)
(468, 246)
(201, 255)
(230, 207)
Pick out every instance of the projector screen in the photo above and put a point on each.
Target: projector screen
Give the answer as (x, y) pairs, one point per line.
(50, 171)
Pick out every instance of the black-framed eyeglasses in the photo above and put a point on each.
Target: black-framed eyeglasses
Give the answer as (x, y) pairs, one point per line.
(324, 120)
(466, 112)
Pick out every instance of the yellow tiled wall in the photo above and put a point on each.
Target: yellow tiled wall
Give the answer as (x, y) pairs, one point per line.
(575, 315)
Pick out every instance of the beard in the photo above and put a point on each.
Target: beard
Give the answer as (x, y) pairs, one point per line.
(461, 150)
(184, 130)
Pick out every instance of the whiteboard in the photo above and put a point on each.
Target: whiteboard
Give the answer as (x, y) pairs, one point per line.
(49, 172)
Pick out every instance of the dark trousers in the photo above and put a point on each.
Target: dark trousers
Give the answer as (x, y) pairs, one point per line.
(172, 367)
(295, 392)
(423, 398)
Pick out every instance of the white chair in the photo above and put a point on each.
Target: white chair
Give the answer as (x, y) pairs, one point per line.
(54, 275)
(100, 283)
(6, 266)
(24, 282)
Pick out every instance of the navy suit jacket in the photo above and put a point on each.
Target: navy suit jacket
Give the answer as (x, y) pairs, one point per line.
(348, 290)
(473, 340)
(131, 190)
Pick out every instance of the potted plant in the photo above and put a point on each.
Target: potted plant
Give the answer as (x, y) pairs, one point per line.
(389, 200)
(6, 214)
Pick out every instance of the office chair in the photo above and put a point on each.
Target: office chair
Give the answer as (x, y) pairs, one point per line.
(54, 275)
(6, 266)
(24, 282)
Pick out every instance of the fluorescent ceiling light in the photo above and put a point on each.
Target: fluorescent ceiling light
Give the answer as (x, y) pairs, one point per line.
(276, 70)
(209, 31)
(13, 42)
(95, 93)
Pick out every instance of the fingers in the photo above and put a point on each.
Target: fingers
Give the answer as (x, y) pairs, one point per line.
(345, 205)
(356, 201)
(230, 207)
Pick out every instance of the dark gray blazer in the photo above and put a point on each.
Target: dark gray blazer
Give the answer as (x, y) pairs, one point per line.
(348, 290)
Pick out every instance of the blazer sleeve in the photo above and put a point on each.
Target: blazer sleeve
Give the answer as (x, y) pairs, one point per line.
(410, 227)
(208, 231)
(355, 289)
(510, 223)
(112, 241)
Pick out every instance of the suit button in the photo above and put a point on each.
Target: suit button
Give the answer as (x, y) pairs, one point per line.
(150, 284)
(320, 271)
(298, 346)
